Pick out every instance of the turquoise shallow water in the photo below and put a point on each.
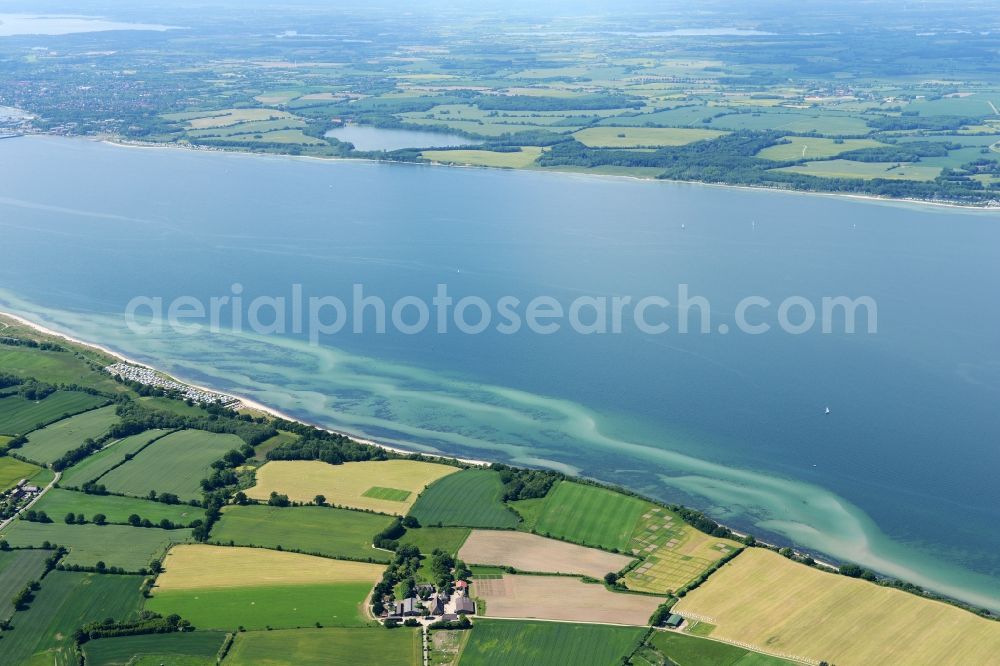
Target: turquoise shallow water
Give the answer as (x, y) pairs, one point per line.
(897, 477)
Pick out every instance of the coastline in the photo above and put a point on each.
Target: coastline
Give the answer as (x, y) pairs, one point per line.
(244, 401)
(869, 198)
(254, 405)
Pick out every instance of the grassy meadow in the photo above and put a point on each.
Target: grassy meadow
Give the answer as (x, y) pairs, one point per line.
(693, 651)
(174, 464)
(229, 117)
(310, 529)
(131, 548)
(43, 634)
(391, 494)
(197, 648)
(261, 450)
(93, 466)
(19, 416)
(865, 170)
(809, 147)
(17, 569)
(179, 407)
(830, 125)
(345, 485)
(642, 137)
(224, 588)
(471, 498)
(319, 647)
(13, 470)
(518, 643)
(58, 502)
(448, 539)
(584, 514)
(263, 606)
(78, 366)
(53, 441)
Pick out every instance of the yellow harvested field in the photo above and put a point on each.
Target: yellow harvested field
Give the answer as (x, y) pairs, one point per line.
(234, 116)
(561, 598)
(197, 566)
(345, 485)
(765, 600)
(675, 553)
(639, 137)
(485, 158)
(530, 552)
(278, 97)
(865, 170)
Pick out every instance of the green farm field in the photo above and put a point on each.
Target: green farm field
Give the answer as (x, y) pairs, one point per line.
(391, 494)
(809, 147)
(864, 170)
(13, 470)
(52, 442)
(310, 529)
(642, 137)
(829, 125)
(58, 502)
(130, 548)
(263, 606)
(520, 643)
(685, 650)
(262, 449)
(174, 464)
(17, 569)
(290, 136)
(19, 416)
(679, 116)
(228, 117)
(320, 647)
(93, 466)
(584, 514)
(56, 367)
(43, 634)
(224, 588)
(249, 128)
(197, 648)
(471, 498)
(178, 407)
(448, 539)
(481, 128)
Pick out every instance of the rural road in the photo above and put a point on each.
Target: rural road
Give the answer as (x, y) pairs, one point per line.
(30, 504)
